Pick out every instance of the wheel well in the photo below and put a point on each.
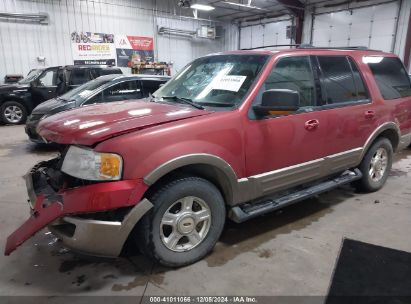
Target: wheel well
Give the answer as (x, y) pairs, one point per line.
(16, 100)
(392, 136)
(208, 172)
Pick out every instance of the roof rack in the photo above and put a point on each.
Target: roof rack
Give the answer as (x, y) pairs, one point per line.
(310, 46)
(272, 45)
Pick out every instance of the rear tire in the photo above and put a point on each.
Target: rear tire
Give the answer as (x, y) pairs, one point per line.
(375, 166)
(185, 223)
(13, 113)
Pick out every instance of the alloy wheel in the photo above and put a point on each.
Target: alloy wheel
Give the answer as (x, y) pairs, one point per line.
(185, 224)
(13, 114)
(378, 164)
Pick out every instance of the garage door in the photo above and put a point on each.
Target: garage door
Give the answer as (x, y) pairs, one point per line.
(262, 35)
(372, 26)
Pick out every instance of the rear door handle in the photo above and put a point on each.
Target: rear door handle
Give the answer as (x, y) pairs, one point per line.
(369, 114)
(311, 124)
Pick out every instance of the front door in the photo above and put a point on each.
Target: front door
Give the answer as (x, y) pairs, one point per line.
(45, 86)
(282, 151)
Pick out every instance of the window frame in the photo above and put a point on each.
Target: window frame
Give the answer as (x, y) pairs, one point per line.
(322, 78)
(54, 81)
(317, 86)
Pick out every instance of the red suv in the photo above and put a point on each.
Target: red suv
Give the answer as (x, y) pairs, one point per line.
(235, 134)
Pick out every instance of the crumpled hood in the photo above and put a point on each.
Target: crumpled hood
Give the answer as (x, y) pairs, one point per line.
(91, 124)
(54, 105)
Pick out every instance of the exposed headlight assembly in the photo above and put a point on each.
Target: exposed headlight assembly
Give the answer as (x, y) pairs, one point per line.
(90, 165)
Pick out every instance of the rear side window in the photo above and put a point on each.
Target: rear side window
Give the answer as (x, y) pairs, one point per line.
(79, 76)
(342, 81)
(391, 77)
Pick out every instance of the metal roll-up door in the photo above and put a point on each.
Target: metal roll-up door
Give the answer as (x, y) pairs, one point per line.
(373, 26)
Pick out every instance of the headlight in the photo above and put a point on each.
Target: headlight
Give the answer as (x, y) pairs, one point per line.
(90, 165)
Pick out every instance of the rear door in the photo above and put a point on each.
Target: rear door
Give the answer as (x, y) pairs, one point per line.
(351, 113)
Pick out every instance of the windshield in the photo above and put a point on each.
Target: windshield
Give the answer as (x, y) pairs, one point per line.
(217, 81)
(33, 74)
(81, 93)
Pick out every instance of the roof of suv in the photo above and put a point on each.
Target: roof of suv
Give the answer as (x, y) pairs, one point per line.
(310, 50)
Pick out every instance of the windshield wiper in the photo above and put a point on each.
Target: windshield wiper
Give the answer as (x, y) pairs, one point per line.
(184, 100)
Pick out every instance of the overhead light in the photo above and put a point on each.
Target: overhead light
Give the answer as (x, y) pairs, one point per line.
(245, 5)
(202, 7)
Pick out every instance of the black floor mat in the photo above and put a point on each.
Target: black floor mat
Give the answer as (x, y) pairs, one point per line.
(367, 273)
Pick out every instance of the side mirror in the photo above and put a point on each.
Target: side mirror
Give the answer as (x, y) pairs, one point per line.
(282, 101)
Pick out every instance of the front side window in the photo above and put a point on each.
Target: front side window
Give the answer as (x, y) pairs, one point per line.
(293, 73)
(390, 75)
(341, 80)
(47, 79)
(216, 81)
(83, 92)
(150, 86)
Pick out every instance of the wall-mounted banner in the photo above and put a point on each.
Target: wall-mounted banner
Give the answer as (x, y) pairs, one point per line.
(93, 48)
(134, 48)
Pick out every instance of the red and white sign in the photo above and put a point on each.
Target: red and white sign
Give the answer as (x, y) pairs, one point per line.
(132, 46)
(134, 43)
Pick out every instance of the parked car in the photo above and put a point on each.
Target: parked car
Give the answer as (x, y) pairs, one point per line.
(19, 99)
(106, 88)
(235, 134)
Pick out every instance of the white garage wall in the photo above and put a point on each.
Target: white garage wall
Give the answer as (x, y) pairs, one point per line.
(373, 27)
(21, 42)
(370, 23)
(261, 35)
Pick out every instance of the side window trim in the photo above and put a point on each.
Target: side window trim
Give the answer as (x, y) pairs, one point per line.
(327, 106)
(351, 62)
(315, 67)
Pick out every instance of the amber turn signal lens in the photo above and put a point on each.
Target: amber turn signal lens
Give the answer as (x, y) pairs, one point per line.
(110, 165)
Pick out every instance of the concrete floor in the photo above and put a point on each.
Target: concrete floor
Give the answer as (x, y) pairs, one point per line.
(291, 252)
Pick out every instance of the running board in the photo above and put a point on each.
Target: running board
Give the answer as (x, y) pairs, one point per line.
(245, 212)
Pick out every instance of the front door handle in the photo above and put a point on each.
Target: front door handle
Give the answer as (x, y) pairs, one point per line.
(369, 114)
(311, 124)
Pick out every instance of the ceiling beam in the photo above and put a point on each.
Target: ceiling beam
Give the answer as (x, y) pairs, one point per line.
(296, 7)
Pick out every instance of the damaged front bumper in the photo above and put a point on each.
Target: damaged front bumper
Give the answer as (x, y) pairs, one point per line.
(65, 211)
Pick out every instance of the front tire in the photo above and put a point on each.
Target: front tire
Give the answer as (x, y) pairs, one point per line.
(13, 113)
(185, 223)
(375, 166)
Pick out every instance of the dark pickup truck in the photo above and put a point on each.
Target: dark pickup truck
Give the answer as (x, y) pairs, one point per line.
(19, 99)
